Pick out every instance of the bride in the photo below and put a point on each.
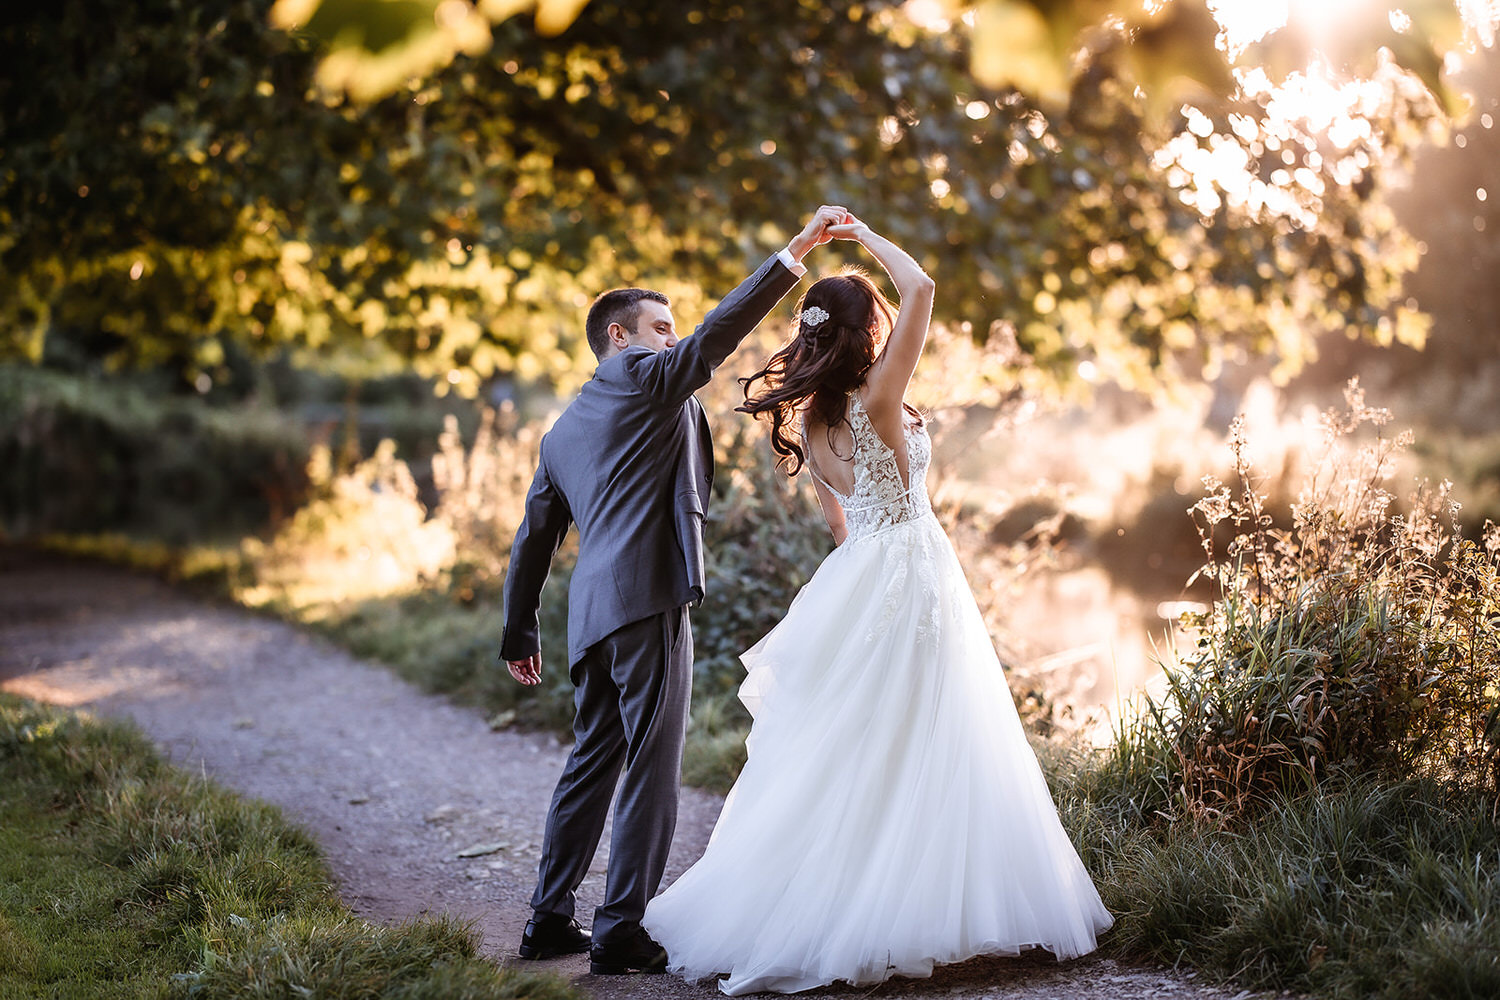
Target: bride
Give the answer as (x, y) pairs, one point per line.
(891, 815)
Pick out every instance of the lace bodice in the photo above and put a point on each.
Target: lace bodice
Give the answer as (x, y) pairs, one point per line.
(879, 499)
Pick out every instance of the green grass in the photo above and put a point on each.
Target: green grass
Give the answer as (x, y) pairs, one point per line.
(121, 876)
(1364, 889)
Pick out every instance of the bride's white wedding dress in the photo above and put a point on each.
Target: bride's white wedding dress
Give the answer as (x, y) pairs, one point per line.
(891, 815)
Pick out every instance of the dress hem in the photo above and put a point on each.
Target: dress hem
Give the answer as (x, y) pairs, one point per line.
(921, 968)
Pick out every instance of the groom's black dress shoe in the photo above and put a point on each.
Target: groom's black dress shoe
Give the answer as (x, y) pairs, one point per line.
(636, 953)
(552, 935)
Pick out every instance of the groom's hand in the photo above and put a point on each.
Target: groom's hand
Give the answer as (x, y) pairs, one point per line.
(815, 233)
(527, 671)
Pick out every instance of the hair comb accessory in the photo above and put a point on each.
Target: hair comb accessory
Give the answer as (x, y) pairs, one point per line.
(814, 316)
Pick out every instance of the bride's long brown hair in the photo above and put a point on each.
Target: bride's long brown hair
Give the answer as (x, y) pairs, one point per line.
(822, 363)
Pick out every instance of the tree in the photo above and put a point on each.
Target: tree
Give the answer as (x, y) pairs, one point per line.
(213, 194)
(1168, 46)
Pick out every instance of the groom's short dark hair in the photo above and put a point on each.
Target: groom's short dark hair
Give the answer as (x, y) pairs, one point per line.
(618, 305)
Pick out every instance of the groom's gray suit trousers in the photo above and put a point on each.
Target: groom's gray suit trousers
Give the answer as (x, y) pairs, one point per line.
(632, 694)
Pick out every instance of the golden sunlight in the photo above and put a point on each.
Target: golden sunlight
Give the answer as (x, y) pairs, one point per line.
(931, 15)
(1324, 18)
(1246, 21)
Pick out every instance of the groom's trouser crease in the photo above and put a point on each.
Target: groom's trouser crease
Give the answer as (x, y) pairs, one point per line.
(631, 698)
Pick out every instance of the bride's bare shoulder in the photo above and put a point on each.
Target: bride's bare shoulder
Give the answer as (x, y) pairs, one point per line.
(830, 441)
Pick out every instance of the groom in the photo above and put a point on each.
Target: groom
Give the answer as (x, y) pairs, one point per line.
(630, 461)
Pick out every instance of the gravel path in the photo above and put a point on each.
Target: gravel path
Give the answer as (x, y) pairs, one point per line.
(396, 785)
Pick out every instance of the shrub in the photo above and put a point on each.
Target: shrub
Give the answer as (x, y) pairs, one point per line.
(90, 456)
(482, 492)
(1357, 639)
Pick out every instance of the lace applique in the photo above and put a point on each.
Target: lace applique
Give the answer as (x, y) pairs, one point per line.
(878, 499)
(911, 570)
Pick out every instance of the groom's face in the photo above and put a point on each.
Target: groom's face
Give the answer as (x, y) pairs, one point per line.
(654, 328)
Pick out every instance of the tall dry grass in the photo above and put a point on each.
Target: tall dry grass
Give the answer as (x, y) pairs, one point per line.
(1312, 802)
(1361, 637)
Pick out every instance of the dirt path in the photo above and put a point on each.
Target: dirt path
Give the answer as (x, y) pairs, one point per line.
(395, 784)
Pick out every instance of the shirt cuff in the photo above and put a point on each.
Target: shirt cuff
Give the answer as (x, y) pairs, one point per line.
(792, 263)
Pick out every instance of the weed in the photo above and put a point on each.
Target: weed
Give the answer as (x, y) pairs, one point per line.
(1358, 639)
(1311, 804)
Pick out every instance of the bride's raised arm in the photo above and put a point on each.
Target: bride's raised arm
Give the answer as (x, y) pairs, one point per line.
(885, 385)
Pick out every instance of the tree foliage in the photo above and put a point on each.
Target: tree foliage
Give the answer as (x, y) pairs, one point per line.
(1170, 47)
(179, 182)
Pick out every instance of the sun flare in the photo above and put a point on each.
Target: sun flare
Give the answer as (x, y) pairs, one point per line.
(1247, 21)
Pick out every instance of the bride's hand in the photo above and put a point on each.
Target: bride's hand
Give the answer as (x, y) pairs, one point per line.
(851, 229)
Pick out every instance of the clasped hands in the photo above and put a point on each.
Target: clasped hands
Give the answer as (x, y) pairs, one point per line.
(829, 222)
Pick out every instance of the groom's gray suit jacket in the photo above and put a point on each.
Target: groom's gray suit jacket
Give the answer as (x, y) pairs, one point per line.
(630, 461)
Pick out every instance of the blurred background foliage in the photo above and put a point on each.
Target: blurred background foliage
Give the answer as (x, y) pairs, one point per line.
(181, 185)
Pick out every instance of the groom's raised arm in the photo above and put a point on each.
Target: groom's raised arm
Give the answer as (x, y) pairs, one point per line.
(670, 376)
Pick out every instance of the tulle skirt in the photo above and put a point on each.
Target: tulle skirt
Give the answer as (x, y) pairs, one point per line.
(891, 815)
